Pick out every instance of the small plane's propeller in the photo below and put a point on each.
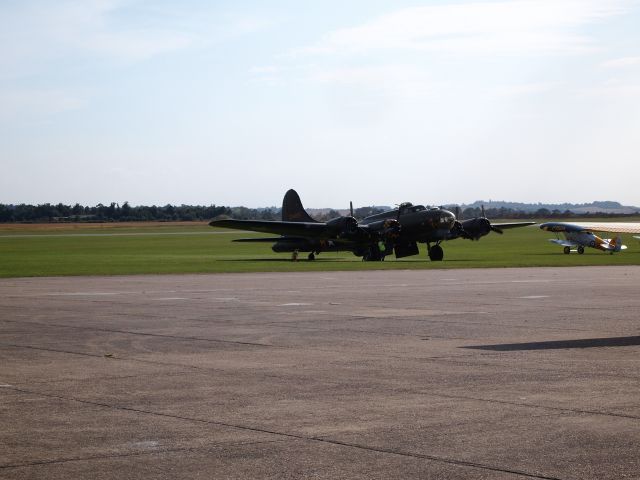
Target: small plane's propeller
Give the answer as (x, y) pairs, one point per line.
(351, 208)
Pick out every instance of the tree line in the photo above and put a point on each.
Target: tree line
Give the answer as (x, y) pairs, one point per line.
(115, 212)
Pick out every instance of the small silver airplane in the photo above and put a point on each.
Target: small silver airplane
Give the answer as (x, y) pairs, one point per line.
(578, 236)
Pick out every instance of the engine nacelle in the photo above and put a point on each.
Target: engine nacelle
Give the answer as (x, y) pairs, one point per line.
(342, 226)
(476, 228)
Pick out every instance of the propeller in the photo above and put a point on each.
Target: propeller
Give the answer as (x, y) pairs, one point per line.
(351, 208)
(491, 227)
(477, 227)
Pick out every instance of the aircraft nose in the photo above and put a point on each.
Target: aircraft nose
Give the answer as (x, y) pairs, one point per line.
(447, 219)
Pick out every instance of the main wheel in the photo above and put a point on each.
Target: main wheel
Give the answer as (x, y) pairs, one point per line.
(311, 256)
(567, 250)
(373, 255)
(580, 249)
(436, 254)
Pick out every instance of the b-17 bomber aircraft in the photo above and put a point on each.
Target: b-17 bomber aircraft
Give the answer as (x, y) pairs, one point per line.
(396, 231)
(579, 236)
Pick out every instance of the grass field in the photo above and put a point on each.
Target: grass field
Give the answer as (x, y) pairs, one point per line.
(142, 248)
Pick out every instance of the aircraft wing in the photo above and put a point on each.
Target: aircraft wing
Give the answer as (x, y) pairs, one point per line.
(261, 240)
(609, 227)
(563, 243)
(335, 241)
(297, 229)
(511, 225)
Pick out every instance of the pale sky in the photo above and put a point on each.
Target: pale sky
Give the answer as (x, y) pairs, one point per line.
(379, 102)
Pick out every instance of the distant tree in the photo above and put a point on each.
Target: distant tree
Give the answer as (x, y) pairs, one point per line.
(267, 214)
(364, 212)
(125, 211)
(77, 209)
(543, 212)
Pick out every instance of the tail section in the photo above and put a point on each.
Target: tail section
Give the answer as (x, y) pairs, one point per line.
(617, 245)
(292, 209)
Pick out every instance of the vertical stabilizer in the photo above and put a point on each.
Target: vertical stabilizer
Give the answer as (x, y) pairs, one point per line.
(292, 209)
(617, 244)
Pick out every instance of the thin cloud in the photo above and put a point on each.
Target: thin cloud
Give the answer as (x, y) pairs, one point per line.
(624, 62)
(401, 81)
(511, 27)
(527, 89)
(18, 104)
(39, 32)
(613, 89)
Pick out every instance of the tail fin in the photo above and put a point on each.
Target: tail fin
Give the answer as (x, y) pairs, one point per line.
(617, 244)
(292, 209)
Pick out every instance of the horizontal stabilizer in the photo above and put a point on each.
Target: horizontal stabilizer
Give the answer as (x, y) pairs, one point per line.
(298, 229)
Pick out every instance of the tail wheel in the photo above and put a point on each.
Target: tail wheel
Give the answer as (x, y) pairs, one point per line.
(436, 254)
(567, 250)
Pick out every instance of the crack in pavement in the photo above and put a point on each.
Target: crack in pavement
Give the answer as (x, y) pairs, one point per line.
(434, 458)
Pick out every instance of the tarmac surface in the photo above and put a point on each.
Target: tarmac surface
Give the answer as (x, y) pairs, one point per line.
(433, 374)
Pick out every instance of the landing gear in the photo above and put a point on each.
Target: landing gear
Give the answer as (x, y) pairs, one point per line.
(373, 255)
(567, 250)
(580, 249)
(436, 254)
(311, 257)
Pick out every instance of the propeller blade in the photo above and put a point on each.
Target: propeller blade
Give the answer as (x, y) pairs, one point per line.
(351, 208)
(482, 210)
(458, 212)
(497, 230)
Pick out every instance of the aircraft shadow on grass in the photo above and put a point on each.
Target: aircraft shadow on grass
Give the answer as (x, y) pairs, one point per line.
(562, 344)
(339, 260)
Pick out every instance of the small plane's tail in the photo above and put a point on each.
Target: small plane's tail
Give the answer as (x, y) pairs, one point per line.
(617, 245)
(292, 209)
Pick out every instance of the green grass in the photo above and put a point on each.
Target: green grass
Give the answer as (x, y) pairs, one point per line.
(25, 252)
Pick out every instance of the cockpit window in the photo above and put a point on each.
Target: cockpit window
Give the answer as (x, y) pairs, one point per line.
(417, 208)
